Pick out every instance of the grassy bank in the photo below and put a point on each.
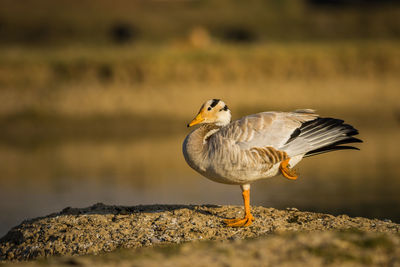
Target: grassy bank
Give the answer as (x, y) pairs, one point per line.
(86, 81)
(141, 64)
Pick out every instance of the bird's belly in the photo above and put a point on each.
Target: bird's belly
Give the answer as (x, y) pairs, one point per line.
(239, 175)
(229, 166)
(242, 174)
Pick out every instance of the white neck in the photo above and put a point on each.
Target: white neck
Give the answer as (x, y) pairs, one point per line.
(224, 118)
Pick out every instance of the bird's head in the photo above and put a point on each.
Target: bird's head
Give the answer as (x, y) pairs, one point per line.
(213, 111)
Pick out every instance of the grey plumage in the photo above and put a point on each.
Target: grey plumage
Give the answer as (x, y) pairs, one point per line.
(252, 147)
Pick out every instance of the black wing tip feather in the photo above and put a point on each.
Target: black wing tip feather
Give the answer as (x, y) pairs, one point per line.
(321, 122)
(313, 126)
(327, 123)
(349, 130)
(293, 136)
(330, 148)
(347, 141)
(309, 127)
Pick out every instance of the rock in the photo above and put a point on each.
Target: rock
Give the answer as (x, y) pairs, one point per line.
(101, 228)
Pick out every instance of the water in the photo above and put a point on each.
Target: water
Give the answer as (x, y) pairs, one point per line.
(45, 176)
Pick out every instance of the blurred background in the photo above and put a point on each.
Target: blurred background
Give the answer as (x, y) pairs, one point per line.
(95, 98)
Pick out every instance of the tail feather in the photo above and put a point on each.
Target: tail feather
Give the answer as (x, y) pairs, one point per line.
(320, 136)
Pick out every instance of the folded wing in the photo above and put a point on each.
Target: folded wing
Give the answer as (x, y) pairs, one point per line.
(266, 129)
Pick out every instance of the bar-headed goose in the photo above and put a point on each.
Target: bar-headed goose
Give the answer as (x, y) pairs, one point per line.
(258, 146)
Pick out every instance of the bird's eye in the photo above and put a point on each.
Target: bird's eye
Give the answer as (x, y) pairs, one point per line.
(209, 108)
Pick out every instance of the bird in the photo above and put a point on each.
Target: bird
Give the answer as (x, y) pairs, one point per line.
(259, 146)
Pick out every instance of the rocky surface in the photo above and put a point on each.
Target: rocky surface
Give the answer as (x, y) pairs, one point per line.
(101, 228)
(343, 248)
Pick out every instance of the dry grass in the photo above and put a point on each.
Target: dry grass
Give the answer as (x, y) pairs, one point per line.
(173, 80)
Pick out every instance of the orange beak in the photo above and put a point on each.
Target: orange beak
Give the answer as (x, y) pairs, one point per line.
(199, 118)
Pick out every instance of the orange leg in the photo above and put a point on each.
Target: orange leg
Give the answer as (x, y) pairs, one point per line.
(286, 171)
(248, 218)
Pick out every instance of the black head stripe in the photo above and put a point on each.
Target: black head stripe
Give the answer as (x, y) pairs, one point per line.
(224, 108)
(214, 102)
